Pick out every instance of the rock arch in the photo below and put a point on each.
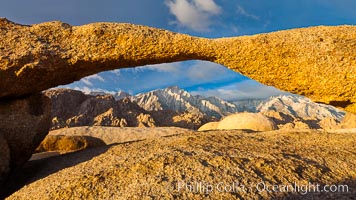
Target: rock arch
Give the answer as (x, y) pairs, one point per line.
(317, 62)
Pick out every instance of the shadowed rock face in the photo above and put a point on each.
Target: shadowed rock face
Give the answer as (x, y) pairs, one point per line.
(4, 159)
(317, 62)
(24, 123)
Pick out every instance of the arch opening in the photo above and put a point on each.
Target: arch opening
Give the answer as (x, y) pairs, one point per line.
(205, 89)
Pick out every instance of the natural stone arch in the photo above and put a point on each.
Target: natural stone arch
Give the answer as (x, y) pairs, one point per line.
(317, 62)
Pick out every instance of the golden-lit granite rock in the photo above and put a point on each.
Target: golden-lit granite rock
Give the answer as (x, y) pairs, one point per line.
(66, 143)
(206, 165)
(317, 62)
(349, 121)
(247, 121)
(209, 126)
(242, 121)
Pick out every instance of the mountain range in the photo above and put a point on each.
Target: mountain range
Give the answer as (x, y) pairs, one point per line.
(173, 106)
(72, 108)
(176, 99)
(300, 107)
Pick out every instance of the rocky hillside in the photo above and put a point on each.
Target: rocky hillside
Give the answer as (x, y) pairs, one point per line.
(293, 110)
(71, 108)
(248, 105)
(300, 107)
(176, 99)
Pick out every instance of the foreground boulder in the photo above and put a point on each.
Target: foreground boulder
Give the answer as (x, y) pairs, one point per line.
(183, 166)
(246, 121)
(209, 126)
(65, 143)
(24, 124)
(317, 62)
(242, 121)
(77, 138)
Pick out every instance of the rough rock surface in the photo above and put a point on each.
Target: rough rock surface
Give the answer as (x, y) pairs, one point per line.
(152, 169)
(317, 62)
(349, 121)
(247, 121)
(77, 138)
(329, 124)
(65, 143)
(24, 124)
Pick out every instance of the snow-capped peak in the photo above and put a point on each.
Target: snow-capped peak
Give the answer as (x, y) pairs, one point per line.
(121, 94)
(174, 98)
(300, 107)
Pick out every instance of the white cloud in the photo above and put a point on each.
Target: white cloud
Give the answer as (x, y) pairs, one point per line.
(248, 89)
(194, 14)
(195, 72)
(189, 74)
(87, 90)
(96, 76)
(165, 67)
(117, 72)
(88, 80)
(208, 6)
(241, 11)
(205, 71)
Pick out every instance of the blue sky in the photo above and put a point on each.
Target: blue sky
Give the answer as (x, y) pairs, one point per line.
(205, 18)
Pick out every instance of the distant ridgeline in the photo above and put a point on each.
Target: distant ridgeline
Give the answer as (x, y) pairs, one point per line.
(174, 98)
(173, 106)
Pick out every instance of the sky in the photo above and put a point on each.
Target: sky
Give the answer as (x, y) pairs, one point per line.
(203, 18)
